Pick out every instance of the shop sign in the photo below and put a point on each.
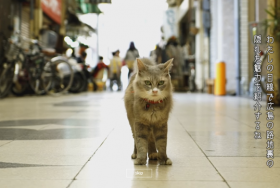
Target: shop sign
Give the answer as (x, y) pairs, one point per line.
(53, 9)
(97, 1)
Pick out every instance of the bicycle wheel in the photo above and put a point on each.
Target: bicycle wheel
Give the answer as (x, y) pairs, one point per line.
(47, 77)
(20, 84)
(62, 75)
(36, 68)
(79, 82)
(19, 89)
(6, 78)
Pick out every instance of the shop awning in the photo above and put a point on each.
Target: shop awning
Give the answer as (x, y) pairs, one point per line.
(98, 1)
(82, 30)
(76, 27)
(85, 7)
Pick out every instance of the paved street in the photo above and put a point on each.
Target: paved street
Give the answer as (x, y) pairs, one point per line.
(85, 140)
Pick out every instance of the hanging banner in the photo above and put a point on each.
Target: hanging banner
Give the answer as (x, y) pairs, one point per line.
(170, 24)
(53, 9)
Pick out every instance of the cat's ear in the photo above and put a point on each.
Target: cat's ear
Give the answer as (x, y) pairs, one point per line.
(141, 66)
(168, 65)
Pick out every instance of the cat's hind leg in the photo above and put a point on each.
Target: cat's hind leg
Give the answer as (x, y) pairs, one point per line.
(134, 154)
(152, 151)
(142, 133)
(160, 134)
(131, 122)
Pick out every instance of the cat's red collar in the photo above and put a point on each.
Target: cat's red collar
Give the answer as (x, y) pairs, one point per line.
(153, 102)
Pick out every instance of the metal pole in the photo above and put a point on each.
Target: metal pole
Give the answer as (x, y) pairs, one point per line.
(97, 38)
(31, 22)
(31, 9)
(237, 46)
(20, 16)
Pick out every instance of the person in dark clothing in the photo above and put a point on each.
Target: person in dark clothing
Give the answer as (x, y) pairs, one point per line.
(82, 58)
(131, 55)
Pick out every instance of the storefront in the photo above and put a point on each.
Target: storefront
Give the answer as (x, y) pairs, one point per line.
(52, 24)
(81, 29)
(25, 24)
(11, 11)
(187, 41)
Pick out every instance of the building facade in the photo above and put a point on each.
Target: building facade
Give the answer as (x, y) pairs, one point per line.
(228, 40)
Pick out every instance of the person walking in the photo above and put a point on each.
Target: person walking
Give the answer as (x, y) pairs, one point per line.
(115, 70)
(131, 55)
(82, 58)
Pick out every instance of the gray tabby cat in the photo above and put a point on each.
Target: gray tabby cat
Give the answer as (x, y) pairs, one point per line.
(148, 101)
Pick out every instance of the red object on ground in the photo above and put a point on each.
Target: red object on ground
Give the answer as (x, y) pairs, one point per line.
(99, 66)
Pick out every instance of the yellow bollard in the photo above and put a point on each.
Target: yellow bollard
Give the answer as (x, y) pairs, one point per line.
(90, 87)
(220, 81)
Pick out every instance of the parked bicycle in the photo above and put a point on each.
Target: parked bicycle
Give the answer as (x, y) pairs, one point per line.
(28, 71)
(8, 58)
(58, 74)
(80, 78)
(41, 73)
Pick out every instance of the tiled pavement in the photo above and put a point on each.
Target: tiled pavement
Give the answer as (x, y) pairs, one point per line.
(85, 141)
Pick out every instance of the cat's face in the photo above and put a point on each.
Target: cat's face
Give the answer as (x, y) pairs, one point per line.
(153, 82)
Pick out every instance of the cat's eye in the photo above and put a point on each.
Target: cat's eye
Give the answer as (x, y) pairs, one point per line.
(148, 83)
(160, 82)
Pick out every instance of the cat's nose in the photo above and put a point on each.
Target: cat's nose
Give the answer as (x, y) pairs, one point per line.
(154, 91)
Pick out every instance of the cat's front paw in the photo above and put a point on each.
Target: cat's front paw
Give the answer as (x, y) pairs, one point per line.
(153, 156)
(165, 162)
(134, 156)
(140, 161)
